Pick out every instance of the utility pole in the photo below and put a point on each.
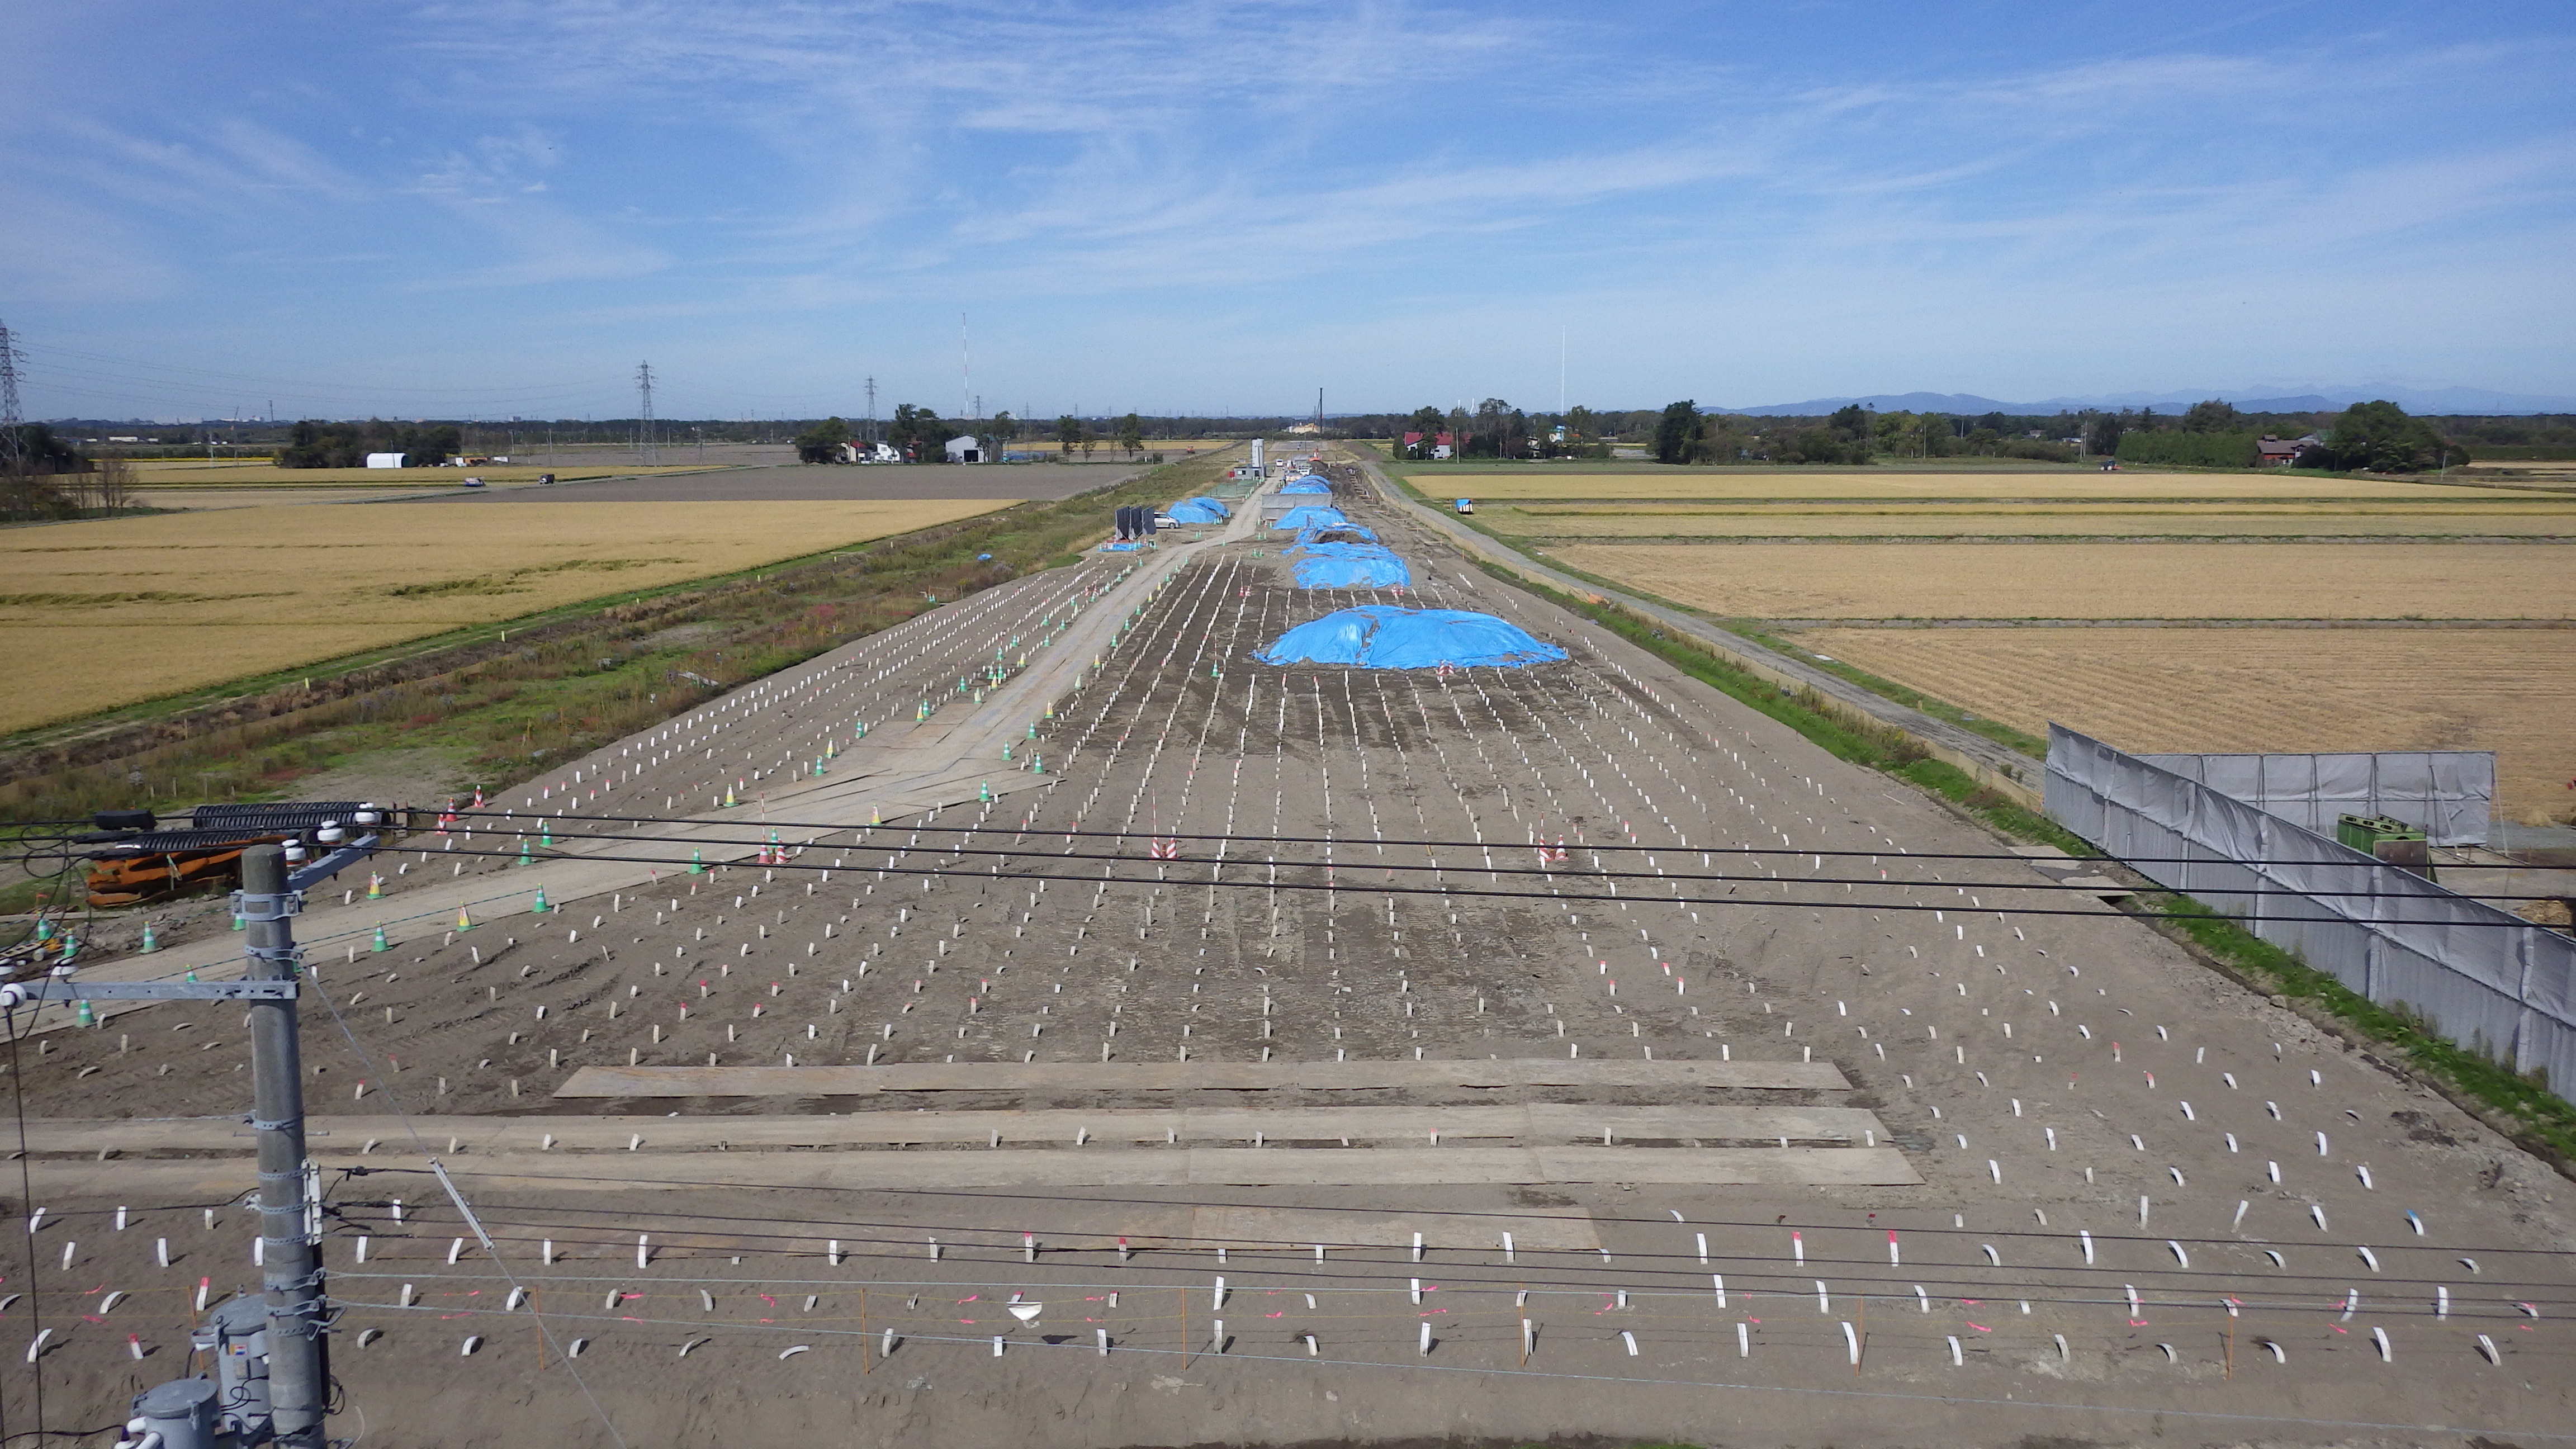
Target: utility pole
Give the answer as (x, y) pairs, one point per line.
(872, 411)
(273, 1372)
(644, 425)
(291, 1268)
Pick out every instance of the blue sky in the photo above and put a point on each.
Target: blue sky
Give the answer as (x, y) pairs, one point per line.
(488, 208)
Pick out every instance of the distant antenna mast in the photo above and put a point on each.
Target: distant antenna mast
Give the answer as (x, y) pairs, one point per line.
(1319, 410)
(872, 410)
(13, 444)
(644, 424)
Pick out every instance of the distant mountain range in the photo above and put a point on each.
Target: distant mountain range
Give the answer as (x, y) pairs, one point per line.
(2452, 401)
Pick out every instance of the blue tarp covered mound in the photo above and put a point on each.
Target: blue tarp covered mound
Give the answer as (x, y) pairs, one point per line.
(1311, 515)
(1351, 566)
(1382, 636)
(1196, 510)
(1307, 483)
(1311, 537)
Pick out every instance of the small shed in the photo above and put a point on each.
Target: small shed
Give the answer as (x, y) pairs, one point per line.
(387, 460)
(965, 449)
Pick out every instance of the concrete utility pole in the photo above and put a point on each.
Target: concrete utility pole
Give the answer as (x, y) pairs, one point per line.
(272, 1373)
(291, 1270)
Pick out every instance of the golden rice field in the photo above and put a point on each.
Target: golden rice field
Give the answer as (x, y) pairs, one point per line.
(2188, 690)
(233, 473)
(98, 614)
(1889, 483)
(1992, 520)
(253, 495)
(2097, 580)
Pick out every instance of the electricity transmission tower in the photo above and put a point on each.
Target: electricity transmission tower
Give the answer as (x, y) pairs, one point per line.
(644, 448)
(13, 444)
(872, 412)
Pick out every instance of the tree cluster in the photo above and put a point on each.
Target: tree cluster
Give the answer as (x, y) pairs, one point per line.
(2379, 437)
(822, 443)
(312, 444)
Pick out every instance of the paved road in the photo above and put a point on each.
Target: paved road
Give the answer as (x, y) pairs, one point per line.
(801, 483)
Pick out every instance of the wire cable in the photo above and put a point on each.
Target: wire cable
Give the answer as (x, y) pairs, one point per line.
(27, 1200)
(962, 850)
(413, 1129)
(1613, 898)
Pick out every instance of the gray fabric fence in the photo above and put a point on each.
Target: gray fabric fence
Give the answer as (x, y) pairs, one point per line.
(2485, 979)
(2449, 794)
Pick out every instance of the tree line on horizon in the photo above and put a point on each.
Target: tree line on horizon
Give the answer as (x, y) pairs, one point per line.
(2212, 433)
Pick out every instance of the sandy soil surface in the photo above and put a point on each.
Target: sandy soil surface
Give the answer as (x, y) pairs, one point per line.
(2150, 1206)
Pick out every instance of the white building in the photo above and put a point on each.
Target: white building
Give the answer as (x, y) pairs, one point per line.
(965, 449)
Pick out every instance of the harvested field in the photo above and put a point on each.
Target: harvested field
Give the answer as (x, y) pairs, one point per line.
(229, 473)
(1951, 520)
(2097, 581)
(2190, 690)
(252, 495)
(104, 613)
(1748, 484)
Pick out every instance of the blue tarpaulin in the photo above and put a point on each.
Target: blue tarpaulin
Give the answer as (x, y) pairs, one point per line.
(1311, 515)
(1351, 566)
(1308, 483)
(1311, 537)
(1196, 510)
(1382, 636)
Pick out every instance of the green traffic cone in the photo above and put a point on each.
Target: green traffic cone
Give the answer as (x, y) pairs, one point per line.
(984, 789)
(540, 908)
(82, 1015)
(523, 850)
(151, 942)
(381, 943)
(697, 862)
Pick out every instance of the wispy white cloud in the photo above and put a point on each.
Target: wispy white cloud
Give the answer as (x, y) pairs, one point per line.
(719, 172)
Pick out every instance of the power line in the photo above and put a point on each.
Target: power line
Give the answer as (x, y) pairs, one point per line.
(1055, 1198)
(1075, 833)
(1389, 888)
(1488, 868)
(412, 1129)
